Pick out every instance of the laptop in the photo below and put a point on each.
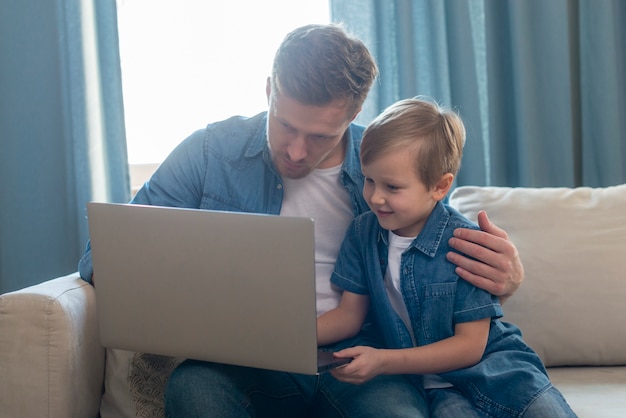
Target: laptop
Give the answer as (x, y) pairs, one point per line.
(226, 287)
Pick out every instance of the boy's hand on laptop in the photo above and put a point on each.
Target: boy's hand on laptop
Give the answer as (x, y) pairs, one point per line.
(367, 363)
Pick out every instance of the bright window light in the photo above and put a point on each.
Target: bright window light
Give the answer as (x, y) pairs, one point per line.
(186, 63)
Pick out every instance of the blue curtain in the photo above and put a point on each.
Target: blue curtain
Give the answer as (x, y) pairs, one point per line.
(62, 139)
(541, 85)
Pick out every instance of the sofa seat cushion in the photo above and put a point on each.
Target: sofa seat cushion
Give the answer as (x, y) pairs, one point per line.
(572, 242)
(593, 392)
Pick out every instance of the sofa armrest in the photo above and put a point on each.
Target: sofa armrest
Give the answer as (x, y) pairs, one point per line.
(51, 360)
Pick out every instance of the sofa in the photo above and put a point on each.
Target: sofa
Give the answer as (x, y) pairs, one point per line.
(570, 308)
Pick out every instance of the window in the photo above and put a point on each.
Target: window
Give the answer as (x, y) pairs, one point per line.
(186, 63)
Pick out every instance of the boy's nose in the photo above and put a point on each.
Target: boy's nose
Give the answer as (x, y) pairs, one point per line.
(377, 197)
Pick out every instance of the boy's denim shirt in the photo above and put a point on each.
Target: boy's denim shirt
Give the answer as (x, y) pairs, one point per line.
(436, 298)
(227, 166)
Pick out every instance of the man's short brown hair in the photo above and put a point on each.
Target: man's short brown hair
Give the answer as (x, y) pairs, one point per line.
(318, 64)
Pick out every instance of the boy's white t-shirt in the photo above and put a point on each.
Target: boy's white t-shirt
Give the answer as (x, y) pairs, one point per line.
(397, 245)
(322, 197)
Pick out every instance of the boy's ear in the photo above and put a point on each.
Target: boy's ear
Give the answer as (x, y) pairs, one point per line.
(442, 187)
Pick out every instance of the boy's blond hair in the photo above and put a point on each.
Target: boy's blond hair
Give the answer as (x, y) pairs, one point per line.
(433, 134)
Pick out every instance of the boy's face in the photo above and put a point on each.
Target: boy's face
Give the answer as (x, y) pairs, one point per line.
(303, 137)
(393, 191)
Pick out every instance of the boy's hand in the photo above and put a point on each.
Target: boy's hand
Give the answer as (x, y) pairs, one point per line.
(366, 364)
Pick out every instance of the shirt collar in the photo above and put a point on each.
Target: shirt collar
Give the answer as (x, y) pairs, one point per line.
(352, 163)
(429, 239)
(259, 142)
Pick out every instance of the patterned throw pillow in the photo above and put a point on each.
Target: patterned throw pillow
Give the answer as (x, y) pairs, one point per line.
(147, 380)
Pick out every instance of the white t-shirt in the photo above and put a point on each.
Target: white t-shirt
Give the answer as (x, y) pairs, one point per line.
(322, 197)
(397, 245)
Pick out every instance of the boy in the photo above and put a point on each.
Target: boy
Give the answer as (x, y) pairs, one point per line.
(436, 326)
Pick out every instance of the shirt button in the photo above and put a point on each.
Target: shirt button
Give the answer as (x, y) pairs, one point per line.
(279, 187)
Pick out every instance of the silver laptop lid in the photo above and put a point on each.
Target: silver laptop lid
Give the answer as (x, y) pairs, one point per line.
(218, 286)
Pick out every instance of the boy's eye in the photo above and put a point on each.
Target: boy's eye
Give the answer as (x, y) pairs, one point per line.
(392, 187)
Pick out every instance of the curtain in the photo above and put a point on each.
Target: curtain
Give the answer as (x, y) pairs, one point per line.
(540, 85)
(62, 132)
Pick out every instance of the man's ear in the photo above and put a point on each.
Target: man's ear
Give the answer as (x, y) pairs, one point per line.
(442, 187)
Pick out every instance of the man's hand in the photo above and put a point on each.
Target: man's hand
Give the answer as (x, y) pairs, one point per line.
(499, 269)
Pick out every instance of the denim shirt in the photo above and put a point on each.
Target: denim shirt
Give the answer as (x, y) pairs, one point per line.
(436, 299)
(227, 166)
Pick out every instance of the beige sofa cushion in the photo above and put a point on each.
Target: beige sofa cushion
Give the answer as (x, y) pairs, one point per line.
(572, 242)
(51, 363)
(117, 401)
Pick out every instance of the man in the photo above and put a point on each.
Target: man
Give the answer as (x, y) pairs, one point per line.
(301, 158)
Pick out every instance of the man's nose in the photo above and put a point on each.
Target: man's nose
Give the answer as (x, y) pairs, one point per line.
(297, 148)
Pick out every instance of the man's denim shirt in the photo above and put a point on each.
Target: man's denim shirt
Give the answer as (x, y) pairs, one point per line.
(227, 166)
(436, 298)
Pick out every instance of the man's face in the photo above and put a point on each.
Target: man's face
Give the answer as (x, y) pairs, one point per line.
(304, 137)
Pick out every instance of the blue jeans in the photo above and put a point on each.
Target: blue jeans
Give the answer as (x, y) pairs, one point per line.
(201, 389)
(450, 403)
